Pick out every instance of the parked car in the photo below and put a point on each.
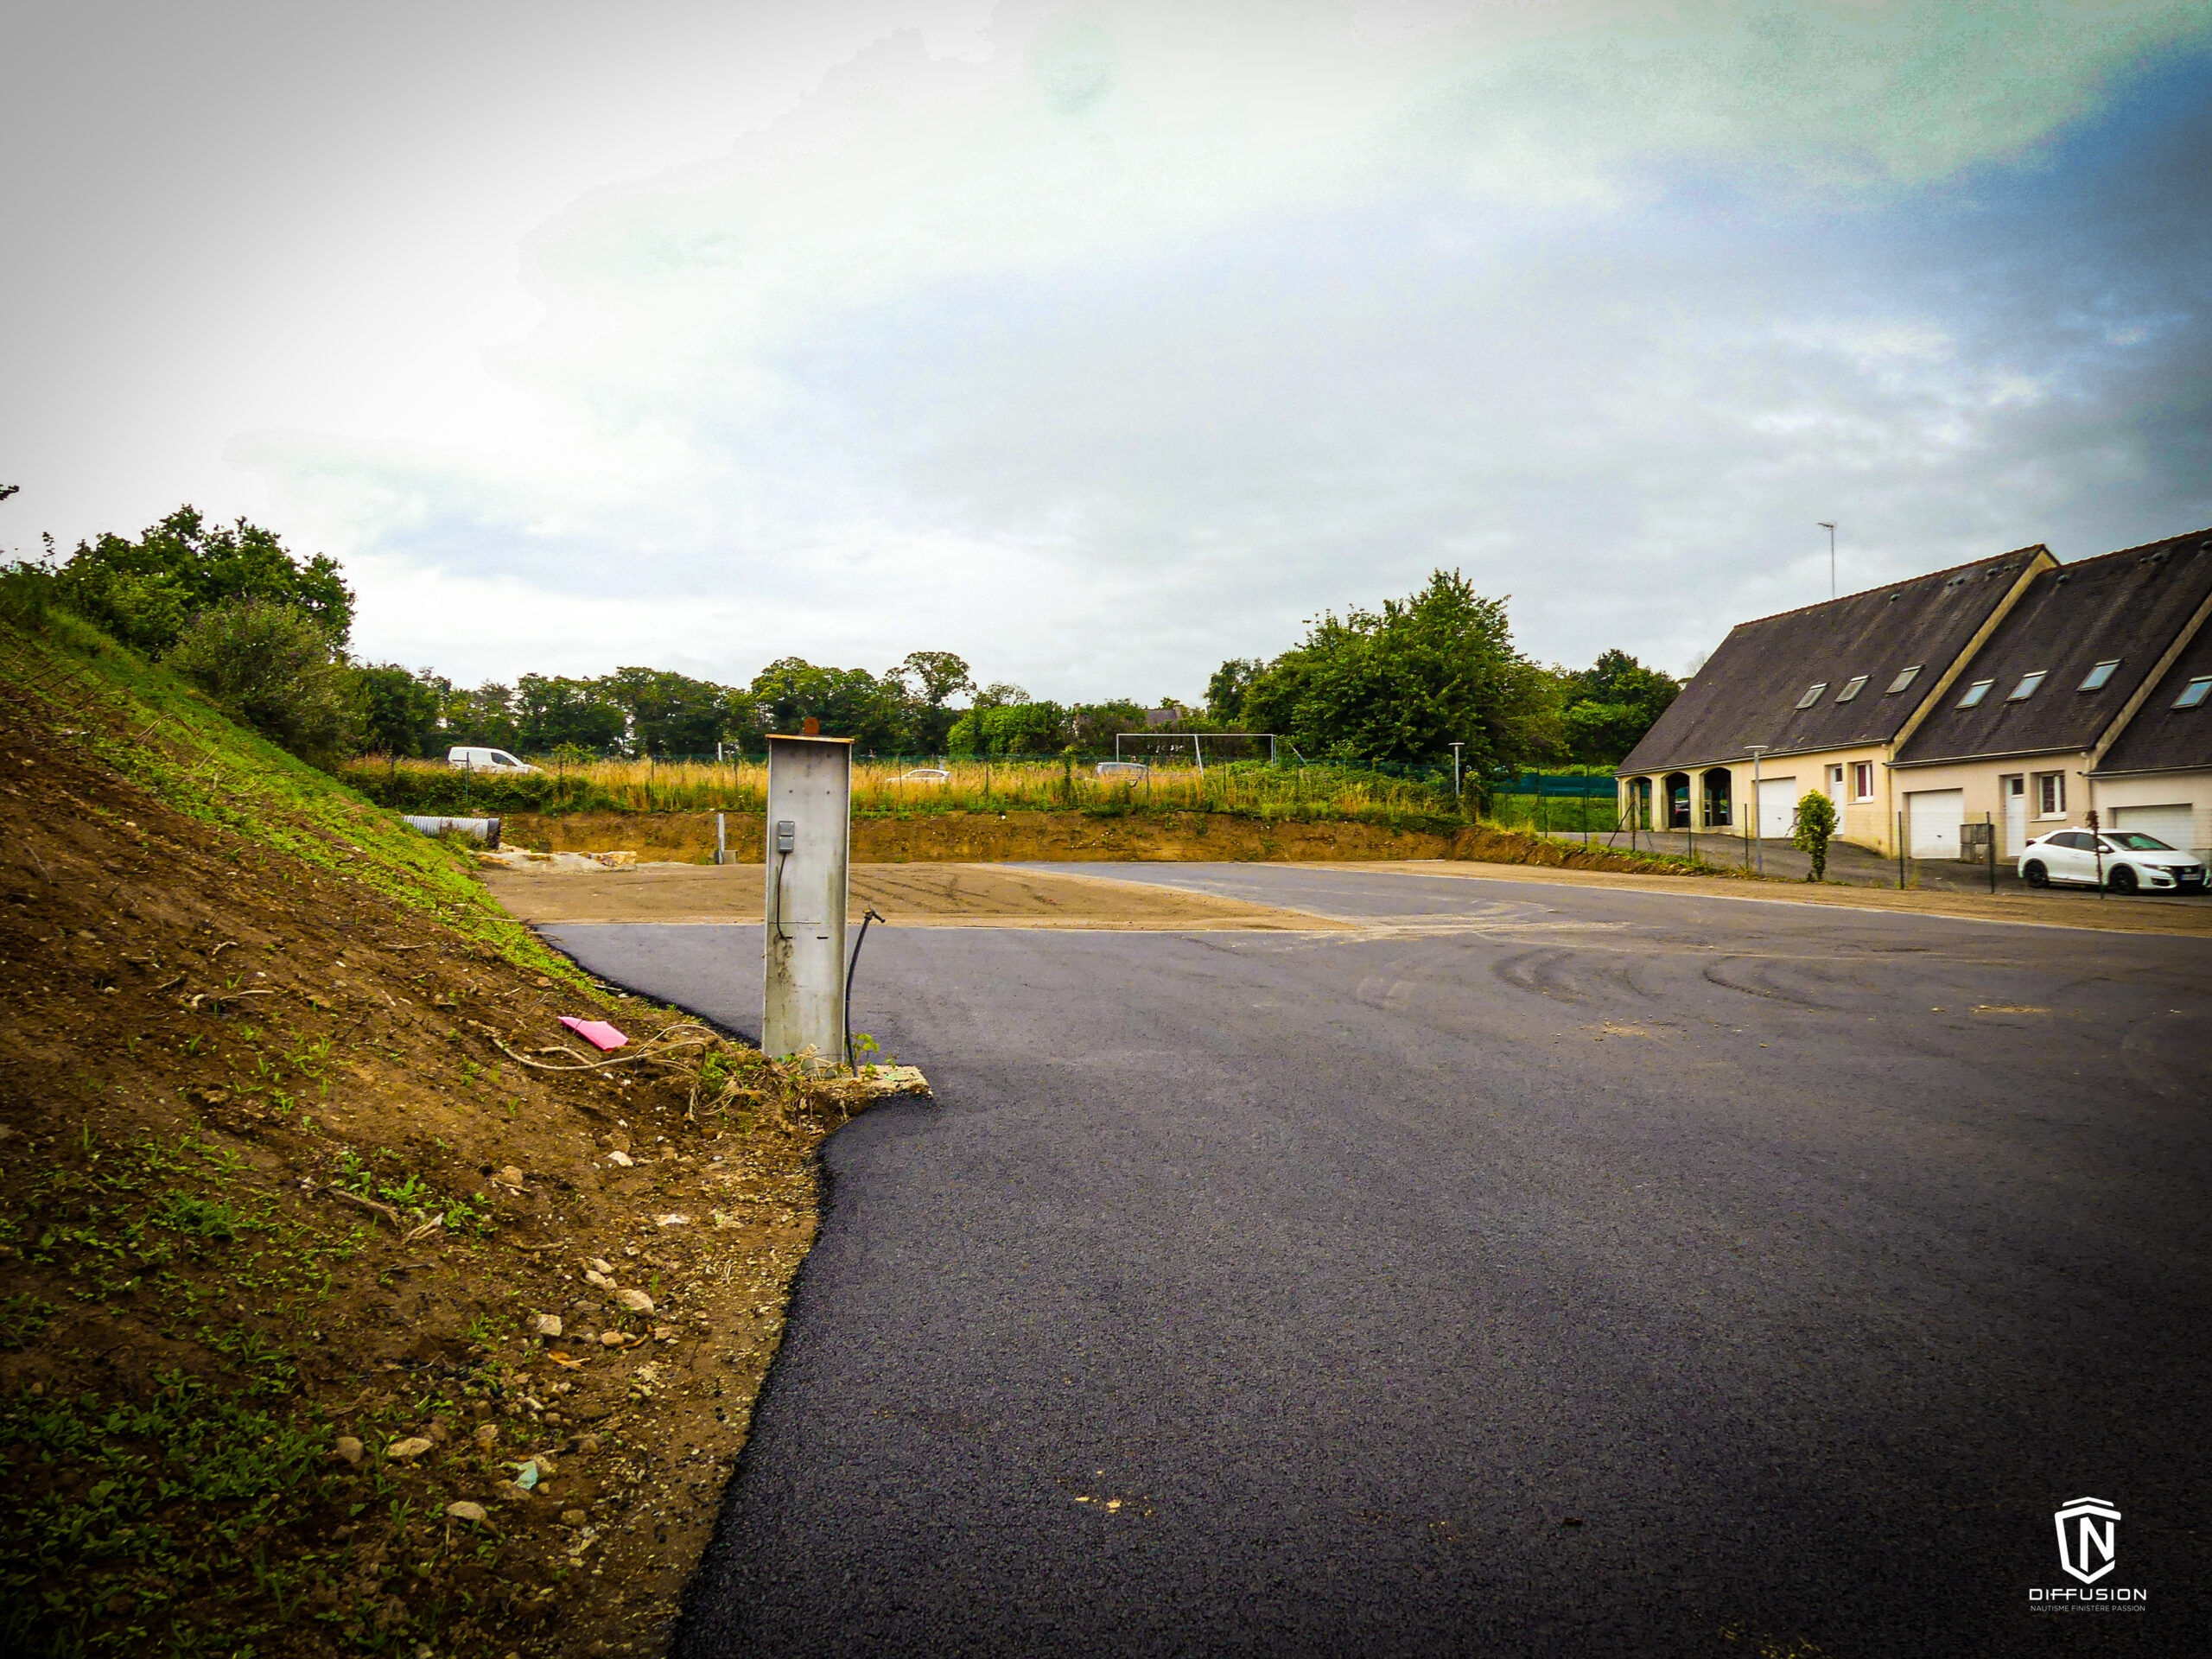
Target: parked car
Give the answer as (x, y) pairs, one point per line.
(2128, 860)
(466, 760)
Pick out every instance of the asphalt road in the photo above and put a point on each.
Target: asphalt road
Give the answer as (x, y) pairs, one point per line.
(1546, 1270)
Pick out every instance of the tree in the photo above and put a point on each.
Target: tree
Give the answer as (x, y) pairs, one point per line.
(1225, 691)
(555, 712)
(928, 680)
(1814, 829)
(275, 668)
(399, 709)
(1610, 705)
(668, 713)
(849, 702)
(484, 718)
(1403, 684)
(1093, 726)
(1025, 727)
(144, 592)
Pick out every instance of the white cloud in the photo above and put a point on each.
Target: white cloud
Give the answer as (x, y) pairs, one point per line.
(1100, 342)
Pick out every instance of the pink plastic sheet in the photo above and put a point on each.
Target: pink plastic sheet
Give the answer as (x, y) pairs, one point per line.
(597, 1033)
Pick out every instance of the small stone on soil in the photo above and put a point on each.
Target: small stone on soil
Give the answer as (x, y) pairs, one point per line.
(548, 1325)
(348, 1448)
(465, 1510)
(414, 1446)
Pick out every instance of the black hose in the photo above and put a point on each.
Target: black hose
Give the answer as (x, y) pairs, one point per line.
(778, 917)
(866, 916)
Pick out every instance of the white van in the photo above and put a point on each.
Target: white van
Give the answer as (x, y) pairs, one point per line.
(486, 760)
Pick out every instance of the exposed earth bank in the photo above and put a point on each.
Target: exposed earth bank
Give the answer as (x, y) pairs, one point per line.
(348, 1303)
(1015, 837)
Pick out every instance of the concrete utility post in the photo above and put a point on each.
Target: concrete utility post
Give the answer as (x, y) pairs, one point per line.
(809, 849)
(1456, 747)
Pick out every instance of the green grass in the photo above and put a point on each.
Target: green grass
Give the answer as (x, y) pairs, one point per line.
(121, 713)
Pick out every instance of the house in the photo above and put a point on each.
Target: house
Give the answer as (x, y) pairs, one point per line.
(2047, 700)
(2157, 775)
(1826, 694)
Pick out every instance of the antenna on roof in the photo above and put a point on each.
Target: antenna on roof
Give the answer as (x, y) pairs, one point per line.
(1830, 528)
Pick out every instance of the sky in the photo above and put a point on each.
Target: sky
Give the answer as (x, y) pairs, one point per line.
(1099, 343)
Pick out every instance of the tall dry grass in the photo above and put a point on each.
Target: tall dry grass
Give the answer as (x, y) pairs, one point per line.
(888, 790)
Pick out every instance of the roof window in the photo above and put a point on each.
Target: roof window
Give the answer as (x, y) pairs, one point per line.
(1975, 693)
(1812, 695)
(2026, 688)
(2096, 678)
(2195, 692)
(1905, 678)
(1851, 690)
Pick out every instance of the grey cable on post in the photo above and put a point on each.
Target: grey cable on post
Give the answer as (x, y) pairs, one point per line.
(854, 963)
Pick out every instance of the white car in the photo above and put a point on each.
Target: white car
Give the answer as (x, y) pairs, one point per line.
(466, 759)
(2128, 860)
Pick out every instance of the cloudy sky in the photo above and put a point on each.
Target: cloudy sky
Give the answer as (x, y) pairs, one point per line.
(1098, 343)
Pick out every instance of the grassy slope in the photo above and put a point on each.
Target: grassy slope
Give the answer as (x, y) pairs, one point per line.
(282, 1161)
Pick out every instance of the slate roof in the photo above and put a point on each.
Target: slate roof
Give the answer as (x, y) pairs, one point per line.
(1748, 690)
(2162, 738)
(2128, 605)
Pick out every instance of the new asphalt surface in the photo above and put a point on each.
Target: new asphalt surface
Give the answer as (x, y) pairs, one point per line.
(1534, 1270)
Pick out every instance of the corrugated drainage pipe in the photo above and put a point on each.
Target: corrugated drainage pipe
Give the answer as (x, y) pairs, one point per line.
(483, 829)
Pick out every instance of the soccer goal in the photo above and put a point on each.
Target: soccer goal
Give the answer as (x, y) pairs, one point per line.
(1194, 748)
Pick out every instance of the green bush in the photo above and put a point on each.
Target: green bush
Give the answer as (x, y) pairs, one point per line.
(273, 668)
(1815, 828)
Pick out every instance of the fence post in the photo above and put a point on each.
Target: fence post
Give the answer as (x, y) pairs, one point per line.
(1989, 835)
(1900, 852)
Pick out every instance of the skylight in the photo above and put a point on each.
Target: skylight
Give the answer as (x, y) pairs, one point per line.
(2195, 692)
(2026, 688)
(1975, 693)
(1904, 679)
(1812, 695)
(1851, 690)
(2095, 679)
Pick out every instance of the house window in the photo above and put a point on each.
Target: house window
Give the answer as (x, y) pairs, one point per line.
(1812, 695)
(1862, 780)
(1851, 690)
(2026, 688)
(1975, 693)
(1904, 679)
(2050, 794)
(2096, 678)
(2195, 692)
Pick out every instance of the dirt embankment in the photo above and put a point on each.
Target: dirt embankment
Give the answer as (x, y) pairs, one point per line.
(297, 1175)
(1015, 837)
(904, 896)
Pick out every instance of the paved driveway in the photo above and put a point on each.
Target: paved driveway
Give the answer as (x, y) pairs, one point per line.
(1534, 1270)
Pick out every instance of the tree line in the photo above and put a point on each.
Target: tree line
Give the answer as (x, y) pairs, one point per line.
(268, 635)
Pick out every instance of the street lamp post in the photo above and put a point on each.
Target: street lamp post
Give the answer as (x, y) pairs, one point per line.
(1830, 528)
(1758, 829)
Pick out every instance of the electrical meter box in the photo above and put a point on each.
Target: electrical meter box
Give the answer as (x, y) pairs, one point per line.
(809, 851)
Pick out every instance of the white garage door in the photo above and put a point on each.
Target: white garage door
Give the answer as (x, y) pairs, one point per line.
(1778, 806)
(2175, 825)
(1932, 819)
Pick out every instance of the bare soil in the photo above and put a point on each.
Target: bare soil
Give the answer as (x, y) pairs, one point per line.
(904, 895)
(1070, 837)
(290, 1174)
